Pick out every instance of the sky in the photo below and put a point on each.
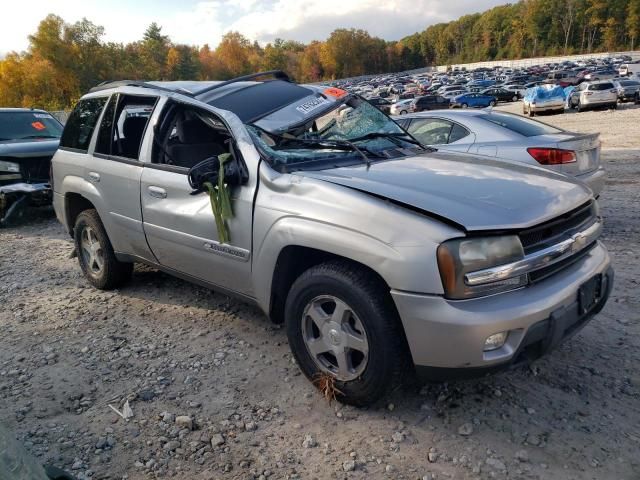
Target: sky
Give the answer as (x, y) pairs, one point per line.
(198, 22)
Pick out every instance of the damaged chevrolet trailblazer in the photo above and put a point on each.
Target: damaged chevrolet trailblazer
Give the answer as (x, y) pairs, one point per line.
(380, 255)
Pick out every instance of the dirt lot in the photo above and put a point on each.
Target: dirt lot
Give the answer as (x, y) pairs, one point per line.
(173, 349)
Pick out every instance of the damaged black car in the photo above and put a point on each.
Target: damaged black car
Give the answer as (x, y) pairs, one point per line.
(28, 140)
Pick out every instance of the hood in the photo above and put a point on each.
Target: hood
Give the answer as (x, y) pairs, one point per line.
(31, 147)
(474, 192)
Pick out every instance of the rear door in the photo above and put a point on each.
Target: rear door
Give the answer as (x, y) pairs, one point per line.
(115, 169)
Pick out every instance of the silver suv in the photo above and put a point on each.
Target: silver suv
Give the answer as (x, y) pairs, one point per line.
(379, 254)
(601, 93)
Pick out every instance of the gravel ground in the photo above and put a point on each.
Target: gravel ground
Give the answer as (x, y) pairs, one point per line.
(215, 393)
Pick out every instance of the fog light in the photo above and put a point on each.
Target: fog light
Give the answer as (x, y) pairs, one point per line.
(495, 341)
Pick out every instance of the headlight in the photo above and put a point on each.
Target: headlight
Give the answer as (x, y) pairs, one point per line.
(9, 167)
(463, 255)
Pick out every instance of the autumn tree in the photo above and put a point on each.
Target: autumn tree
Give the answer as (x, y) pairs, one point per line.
(154, 48)
(632, 22)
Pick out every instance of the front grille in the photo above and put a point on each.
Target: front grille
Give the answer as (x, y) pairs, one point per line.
(556, 230)
(545, 272)
(35, 169)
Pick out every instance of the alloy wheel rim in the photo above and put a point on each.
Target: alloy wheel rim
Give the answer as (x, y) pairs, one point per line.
(335, 338)
(92, 252)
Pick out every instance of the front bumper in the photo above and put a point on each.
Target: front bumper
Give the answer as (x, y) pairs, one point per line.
(450, 334)
(546, 107)
(14, 197)
(627, 96)
(595, 179)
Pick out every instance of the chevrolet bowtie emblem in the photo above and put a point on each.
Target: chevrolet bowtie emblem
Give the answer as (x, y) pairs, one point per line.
(579, 242)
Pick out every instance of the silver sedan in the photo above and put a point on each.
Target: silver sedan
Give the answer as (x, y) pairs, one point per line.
(510, 137)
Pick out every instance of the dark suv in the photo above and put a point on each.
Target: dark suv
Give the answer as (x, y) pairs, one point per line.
(428, 102)
(28, 140)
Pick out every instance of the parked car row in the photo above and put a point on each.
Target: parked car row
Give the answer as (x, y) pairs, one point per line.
(484, 87)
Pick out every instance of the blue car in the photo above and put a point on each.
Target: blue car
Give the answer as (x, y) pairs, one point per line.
(477, 100)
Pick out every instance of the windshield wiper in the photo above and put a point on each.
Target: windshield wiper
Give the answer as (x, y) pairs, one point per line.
(324, 142)
(405, 137)
(39, 136)
(333, 143)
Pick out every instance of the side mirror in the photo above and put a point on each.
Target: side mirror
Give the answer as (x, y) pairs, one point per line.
(208, 170)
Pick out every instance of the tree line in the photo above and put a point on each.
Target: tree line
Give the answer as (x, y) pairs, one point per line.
(64, 60)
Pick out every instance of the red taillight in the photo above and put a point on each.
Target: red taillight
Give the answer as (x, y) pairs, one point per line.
(552, 156)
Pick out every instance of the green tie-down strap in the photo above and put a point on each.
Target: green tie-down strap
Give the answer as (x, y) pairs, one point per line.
(220, 201)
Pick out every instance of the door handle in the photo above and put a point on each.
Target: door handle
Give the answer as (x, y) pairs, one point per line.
(157, 192)
(93, 177)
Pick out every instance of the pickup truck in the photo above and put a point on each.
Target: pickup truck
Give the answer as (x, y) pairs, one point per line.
(382, 257)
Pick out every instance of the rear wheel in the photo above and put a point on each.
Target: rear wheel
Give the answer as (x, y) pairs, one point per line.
(464, 105)
(492, 103)
(579, 107)
(342, 324)
(95, 253)
(514, 98)
(614, 106)
(403, 112)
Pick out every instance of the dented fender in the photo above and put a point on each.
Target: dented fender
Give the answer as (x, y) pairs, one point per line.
(397, 243)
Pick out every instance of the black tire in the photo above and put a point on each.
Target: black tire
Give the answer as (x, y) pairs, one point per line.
(514, 98)
(464, 105)
(388, 355)
(492, 103)
(530, 112)
(113, 273)
(579, 107)
(614, 106)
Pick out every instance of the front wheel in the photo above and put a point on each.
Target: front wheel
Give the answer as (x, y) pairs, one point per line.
(342, 324)
(464, 105)
(95, 253)
(403, 112)
(514, 98)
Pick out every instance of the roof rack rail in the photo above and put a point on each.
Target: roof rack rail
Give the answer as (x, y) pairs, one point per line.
(277, 74)
(135, 83)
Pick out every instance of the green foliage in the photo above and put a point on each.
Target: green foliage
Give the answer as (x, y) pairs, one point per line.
(64, 60)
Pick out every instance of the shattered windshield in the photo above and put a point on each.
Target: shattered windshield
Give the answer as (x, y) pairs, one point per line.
(351, 130)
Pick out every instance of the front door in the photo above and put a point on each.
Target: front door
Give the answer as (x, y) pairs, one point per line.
(179, 225)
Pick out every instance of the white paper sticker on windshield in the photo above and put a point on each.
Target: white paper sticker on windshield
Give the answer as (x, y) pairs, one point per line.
(42, 115)
(312, 105)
